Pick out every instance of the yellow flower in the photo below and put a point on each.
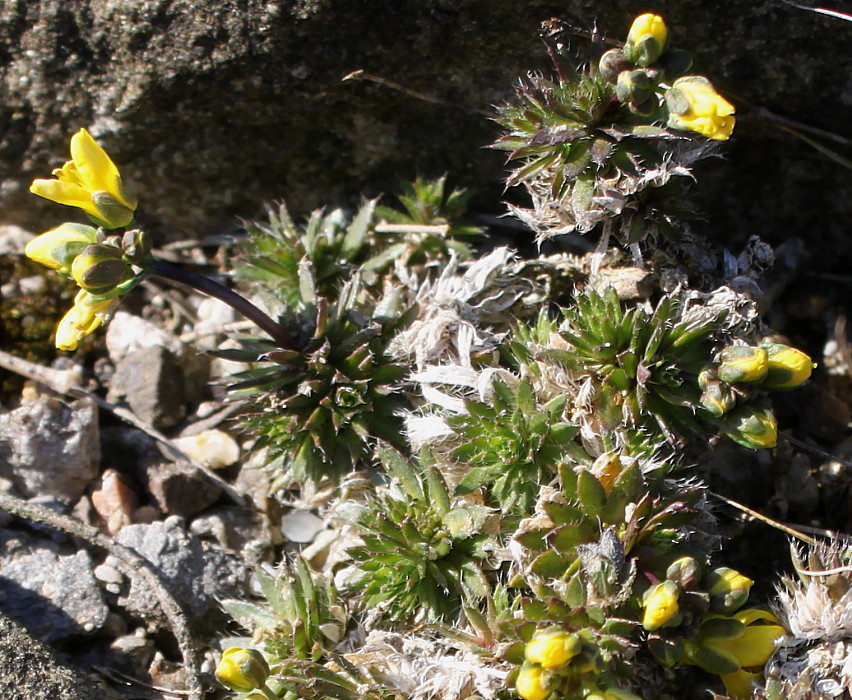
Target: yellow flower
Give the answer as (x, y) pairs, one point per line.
(788, 367)
(82, 319)
(742, 363)
(646, 39)
(661, 605)
(534, 682)
(553, 647)
(694, 105)
(91, 182)
(751, 649)
(58, 247)
(242, 670)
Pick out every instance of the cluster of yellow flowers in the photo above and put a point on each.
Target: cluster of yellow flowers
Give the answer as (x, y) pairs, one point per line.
(91, 182)
(554, 655)
(727, 387)
(734, 645)
(641, 68)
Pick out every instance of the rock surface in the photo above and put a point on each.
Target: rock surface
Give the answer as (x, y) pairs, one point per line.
(197, 577)
(29, 670)
(50, 448)
(213, 108)
(54, 594)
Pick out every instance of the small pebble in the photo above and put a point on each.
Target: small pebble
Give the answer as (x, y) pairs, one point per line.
(213, 449)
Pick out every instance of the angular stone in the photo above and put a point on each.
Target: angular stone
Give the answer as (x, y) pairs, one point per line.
(50, 448)
(214, 449)
(180, 489)
(150, 380)
(54, 595)
(114, 501)
(117, 66)
(197, 576)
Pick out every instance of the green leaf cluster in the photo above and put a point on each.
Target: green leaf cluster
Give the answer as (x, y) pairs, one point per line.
(643, 366)
(513, 444)
(423, 553)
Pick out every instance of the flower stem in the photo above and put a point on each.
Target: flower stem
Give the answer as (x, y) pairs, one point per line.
(177, 274)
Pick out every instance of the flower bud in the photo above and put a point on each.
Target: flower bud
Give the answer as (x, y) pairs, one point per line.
(111, 212)
(242, 670)
(661, 605)
(728, 589)
(136, 245)
(646, 40)
(612, 63)
(788, 367)
(58, 247)
(553, 647)
(633, 86)
(534, 682)
(752, 427)
(685, 571)
(675, 63)
(718, 398)
(742, 363)
(99, 268)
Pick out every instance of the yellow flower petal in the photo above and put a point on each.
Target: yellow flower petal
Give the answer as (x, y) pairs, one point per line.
(58, 247)
(95, 168)
(68, 193)
(85, 317)
(739, 683)
(75, 325)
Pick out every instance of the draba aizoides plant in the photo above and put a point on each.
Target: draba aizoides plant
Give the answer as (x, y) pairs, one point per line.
(504, 463)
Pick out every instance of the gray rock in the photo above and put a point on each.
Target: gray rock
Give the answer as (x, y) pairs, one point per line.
(50, 448)
(242, 530)
(30, 671)
(150, 380)
(127, 334)
(54, 595)
(212, 108)
(196, 575)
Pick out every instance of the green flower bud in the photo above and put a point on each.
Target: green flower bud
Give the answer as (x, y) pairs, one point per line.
(612, 63)
(718, 398)
(634, 86)
(99, 268)
(136, 245)
(646, 40)
(742, 363)
(111, 212)
(728, 589)
(788, 367)
(661, 605)
(675, 63)
(686, 571)
(752, 427)
(553, 647)
(242, 670)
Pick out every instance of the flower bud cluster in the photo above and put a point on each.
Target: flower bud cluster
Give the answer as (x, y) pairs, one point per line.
(100, 264)
(647, 67)
(732, 388)
(99, 259)
(556, 658)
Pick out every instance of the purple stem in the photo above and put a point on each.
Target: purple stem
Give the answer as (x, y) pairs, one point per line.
(177, 274)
